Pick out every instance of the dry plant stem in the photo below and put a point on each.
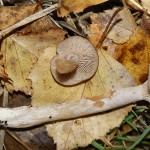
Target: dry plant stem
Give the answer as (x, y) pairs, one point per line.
(26, 116)
(107, 27)
(83, 17)
(4, 104)
(133, 3)
(29, 19)
(1, 3)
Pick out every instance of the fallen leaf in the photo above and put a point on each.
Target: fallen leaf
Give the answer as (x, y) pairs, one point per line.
(122, 27)
(79, 132)
(135, 56)
(77, 6)
(20, 53)
(35, 137)
(110, 47)
(9, 15)
(3, 74)
(11, 143)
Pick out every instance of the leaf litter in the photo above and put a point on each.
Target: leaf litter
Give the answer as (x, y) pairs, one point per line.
(33, 65)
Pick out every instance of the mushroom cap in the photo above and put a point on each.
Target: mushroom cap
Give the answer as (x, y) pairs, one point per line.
(81, 51)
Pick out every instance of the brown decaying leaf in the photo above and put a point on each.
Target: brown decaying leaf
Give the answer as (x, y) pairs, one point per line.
(135, 56)
(35, 137)
(77, 6)
(79, 132)
(13, 14)
(11, 143)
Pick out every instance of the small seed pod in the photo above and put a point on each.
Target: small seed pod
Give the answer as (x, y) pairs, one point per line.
(76, 61)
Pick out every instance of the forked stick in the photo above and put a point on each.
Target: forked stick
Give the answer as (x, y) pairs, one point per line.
(29, 19)
(22, 117)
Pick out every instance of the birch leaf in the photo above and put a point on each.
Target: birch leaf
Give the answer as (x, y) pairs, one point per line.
(79, 132)
(20, 53)
(77, 6)
(122, 26)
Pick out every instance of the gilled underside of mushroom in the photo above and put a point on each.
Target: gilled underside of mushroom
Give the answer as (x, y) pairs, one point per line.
(76, 61)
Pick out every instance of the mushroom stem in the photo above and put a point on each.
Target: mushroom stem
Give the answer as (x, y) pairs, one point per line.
(65, 66)
(22, 117)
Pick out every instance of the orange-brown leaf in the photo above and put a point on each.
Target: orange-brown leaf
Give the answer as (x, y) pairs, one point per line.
(135, 56)
(76, 6)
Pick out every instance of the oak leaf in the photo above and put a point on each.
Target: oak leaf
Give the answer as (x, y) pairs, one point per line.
(79, 132)
(77, 6)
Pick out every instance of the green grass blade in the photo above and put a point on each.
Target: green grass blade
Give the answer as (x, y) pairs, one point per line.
(140, 139)
(97, 145)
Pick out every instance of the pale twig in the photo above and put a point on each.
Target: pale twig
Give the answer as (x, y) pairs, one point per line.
(83, 25)
(55, 22)
(26, 116)
(83, 17)
(134, 4)
(29, 19)
(1, 3)
(4, 104)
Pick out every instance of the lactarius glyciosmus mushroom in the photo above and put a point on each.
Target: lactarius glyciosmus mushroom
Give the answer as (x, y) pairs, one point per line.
(76, 61)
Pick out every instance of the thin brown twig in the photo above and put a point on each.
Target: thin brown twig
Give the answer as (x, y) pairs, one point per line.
(140, 120)
(107, 28)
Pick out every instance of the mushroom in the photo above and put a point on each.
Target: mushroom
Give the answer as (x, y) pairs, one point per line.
(76, 61)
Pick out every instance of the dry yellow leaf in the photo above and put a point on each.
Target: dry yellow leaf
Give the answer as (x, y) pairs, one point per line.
(135, 55)
(20, 53)
(77, 6)
(79, 132)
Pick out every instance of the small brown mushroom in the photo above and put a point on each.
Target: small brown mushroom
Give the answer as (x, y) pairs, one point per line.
(75, 62)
